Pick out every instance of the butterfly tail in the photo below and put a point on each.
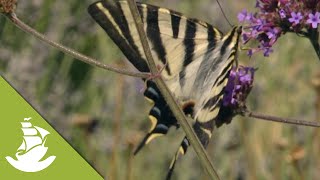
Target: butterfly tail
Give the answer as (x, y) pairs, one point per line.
(204, 138)
(181, 151)
(144, 141)
(158, 130)
(160, 115)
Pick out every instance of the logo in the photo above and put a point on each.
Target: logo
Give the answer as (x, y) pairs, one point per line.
(32, 149)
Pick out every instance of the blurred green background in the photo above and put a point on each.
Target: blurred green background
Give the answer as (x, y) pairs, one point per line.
(72, 96)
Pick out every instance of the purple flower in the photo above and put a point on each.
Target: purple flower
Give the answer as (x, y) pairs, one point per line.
(244, 16)
(245, 37)
(295, 18)
(257, 4)
(275, 18)
(273, 33)
(250, 52)
(267, 52)
(284, 2)
(245, 78)
(282, 13)
(314, 20)
(238, 87)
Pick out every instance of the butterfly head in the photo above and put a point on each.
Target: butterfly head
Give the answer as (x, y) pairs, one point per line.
(239, 29)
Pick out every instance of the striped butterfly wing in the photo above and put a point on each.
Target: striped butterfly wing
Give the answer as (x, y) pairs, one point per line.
(211, 79)
(196, 56)
(175, 41)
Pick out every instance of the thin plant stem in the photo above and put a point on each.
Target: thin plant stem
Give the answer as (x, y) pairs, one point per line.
(178, 113)
(249, 153)
(281, 120)
(129, 163)
(17, 22)
(223, 13)
(117, 126)
(316, 134)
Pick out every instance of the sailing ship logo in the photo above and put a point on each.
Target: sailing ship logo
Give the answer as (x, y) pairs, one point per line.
(32, 149)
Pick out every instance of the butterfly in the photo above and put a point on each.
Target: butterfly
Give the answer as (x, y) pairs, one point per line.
(196, 57)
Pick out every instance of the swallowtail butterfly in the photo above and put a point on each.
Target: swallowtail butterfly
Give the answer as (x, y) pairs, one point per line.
(196, 57)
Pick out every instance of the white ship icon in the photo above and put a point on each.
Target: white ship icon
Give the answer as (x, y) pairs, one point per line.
(32, 149)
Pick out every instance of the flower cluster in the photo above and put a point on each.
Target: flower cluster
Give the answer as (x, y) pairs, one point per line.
(238, 87)
(7, 6)
(276, 17)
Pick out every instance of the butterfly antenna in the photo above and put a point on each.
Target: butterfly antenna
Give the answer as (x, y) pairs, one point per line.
(224, 15)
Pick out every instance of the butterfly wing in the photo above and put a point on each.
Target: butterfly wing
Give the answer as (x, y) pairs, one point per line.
(211, 79)
(196, 56)
(176, 41)
(111, 18)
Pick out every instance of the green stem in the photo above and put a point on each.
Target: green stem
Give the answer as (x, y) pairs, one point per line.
(17, 22)
(247, 113)
(178, 113)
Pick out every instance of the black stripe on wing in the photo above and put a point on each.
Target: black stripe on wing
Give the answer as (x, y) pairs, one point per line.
(176, 18)
(204, 68)
(153, 33)
(229, 39)
(189, 43)
(122, 39)
(175, 24)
